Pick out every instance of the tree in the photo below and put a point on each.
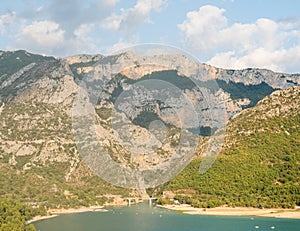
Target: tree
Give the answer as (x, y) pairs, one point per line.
(13, 215)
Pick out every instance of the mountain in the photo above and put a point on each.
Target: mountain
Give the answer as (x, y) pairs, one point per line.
(38, 157)
(40, 161)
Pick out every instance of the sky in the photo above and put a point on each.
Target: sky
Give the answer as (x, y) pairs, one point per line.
(225, 33)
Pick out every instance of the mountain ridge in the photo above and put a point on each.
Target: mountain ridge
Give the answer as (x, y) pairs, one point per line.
(36, 145)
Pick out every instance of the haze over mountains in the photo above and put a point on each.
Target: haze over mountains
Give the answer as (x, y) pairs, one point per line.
(38, 155)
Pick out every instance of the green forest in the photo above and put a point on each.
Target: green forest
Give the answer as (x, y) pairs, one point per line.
(13, 215)
(260, 169)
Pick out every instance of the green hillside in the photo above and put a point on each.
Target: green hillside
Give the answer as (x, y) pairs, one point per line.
(259, 165)
(12, 61)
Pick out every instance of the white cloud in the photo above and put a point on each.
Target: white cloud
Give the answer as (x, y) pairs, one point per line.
(70, 27)
(41, 36)
(6, 22)
(205, 23)
(57, 28)
(279, 60)
(69, 14)
(130, 19)
(6, 19)
(49, 38)
(113, 22)
(83, 30)
(119, 47)
(263, 43)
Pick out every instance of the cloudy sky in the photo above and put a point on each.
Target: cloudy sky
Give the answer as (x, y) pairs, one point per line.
(224, 33)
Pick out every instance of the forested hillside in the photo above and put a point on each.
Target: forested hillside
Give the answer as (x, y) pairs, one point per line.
(259, 165)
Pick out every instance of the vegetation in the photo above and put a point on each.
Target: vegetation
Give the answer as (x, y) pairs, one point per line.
(172, 77)
(145, 118)
(16, 60)
(47, 186)
(40, 176)
(258, 167)
(74, 68)
(13, 215)
(36, 122)
(239, 91)
(13, 85)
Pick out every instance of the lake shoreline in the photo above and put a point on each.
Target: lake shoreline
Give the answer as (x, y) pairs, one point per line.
(56, 212)
(52, 213)
(237, 211)
(40, 218)
(186, 209)
(77, 210)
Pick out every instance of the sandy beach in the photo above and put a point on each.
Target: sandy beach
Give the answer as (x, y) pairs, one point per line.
(57, 212)
(237, 211)
(39, 218)
(77, 210)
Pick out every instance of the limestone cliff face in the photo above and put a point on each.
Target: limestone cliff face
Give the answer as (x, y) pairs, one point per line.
(135, 72)
(52, 83)
(82, 58)
(142, 65)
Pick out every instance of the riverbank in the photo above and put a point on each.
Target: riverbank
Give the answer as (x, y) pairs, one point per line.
(237, 211)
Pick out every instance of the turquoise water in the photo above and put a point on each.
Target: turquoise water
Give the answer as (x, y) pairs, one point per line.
(142, 218)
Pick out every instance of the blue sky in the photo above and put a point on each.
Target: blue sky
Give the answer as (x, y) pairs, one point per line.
(224, 33)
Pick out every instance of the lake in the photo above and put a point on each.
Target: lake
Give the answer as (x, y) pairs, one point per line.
(141, 217)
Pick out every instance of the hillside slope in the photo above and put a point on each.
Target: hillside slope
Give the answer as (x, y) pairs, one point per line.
(38, 158)
(259, 165)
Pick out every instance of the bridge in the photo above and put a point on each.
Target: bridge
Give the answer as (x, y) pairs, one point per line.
(151, 199)
(133, 200)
